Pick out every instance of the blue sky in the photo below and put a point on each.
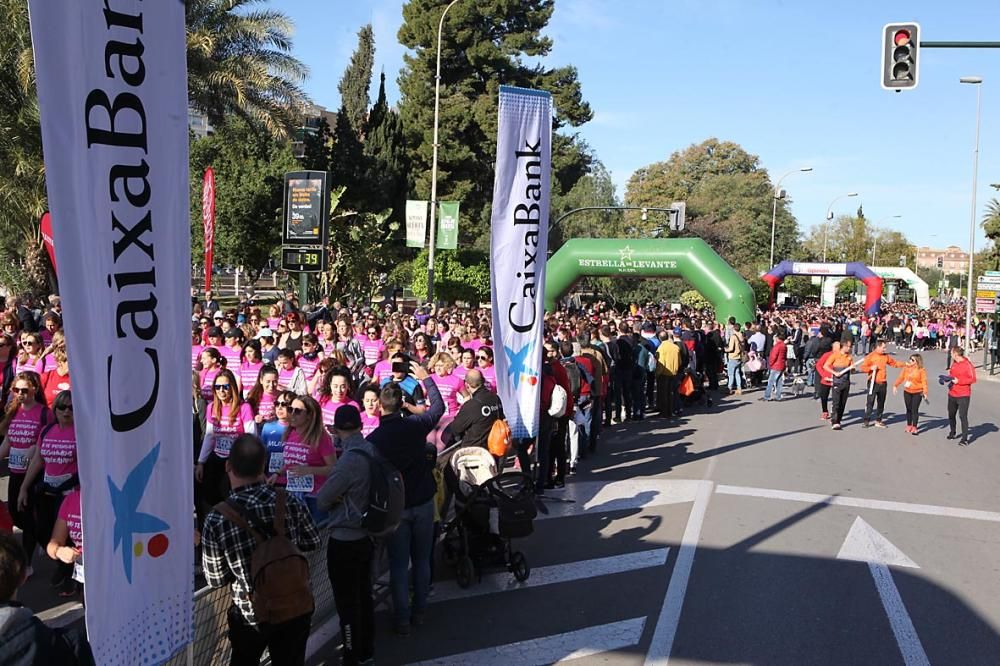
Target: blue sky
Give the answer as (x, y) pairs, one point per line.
(793, 81)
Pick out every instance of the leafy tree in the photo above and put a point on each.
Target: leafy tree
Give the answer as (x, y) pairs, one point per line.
(316, 147)
(347, 168)
(357, 79)
(484, 44)
(593, 189)
(249, 170)
(991, 225)
(692, 298)
(729, 200)
(23, 263)
(852, 238)
(239, 62)
(459, 275)
(385, 156)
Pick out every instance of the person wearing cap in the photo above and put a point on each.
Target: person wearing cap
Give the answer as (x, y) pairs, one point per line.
(350, 549)
(268, 350)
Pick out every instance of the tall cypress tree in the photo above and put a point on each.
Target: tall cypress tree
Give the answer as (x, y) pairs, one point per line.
(356, 81)
(484, 44)
(385, 156)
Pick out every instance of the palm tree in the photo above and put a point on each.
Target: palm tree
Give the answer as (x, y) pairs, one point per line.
(239, 61)
(991, 225)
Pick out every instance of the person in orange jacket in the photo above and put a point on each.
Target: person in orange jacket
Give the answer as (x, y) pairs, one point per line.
(874, 365)
(913, 379)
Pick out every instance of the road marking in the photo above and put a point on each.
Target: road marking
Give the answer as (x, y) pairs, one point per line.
(865, 544)
(860, 503)
(670, 615)
(551, 575)
(601, 496)
(624, 465)
(552, 649)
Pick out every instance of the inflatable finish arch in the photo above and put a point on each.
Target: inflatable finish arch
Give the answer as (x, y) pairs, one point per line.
(912, 280)
(872, 282)
(688, 258)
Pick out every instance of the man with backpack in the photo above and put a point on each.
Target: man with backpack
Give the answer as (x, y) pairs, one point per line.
(580, 372)
(403, 442)
(645, 364)
(625, 373)
(254, 542)
(346, 495)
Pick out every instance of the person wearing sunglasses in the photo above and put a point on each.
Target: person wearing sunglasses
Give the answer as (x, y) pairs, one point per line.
(484, 359)
(24, 419)
(372, 346)
(309, 360)
(308, 451)
(55, 459)
(272, 433)
(228, 418)
(30, 357)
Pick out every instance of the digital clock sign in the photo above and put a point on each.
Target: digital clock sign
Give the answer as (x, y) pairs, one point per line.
(303, 259)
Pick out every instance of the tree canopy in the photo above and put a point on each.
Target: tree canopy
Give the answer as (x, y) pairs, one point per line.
(484, 44)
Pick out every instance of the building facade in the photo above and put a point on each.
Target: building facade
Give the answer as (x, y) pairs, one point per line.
(950, 260)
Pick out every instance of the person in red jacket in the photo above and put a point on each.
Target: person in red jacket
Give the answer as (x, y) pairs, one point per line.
(551, 428)
(776, 362)
(962, 376)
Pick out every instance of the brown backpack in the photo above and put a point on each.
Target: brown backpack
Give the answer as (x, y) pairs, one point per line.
(279, 572)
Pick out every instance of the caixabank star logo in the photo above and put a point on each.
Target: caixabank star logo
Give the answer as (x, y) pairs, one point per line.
(517, 364)
(130, 521)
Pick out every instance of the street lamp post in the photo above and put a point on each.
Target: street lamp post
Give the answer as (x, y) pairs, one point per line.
(977, 81)
(875, 235)
(774, 211)
(434, 159)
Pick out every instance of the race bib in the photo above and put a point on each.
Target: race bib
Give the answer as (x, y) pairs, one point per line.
(300, 484)
(276, 462)
(18, 461)
(78, 571)
(223, 445)
(907, 384)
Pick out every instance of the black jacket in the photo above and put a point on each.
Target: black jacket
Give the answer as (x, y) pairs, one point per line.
(402, 440)
(474, 420)
(25, 640)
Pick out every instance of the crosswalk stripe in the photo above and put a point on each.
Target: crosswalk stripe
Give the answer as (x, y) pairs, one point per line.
(551, 575)
(552, 649)
(599, 496)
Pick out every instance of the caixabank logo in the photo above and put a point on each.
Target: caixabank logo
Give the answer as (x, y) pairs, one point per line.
(130, 521)
(519, 367)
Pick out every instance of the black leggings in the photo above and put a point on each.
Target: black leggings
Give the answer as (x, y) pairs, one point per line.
(959, 406)
(912, 402)
(23, 519)
(823, 391)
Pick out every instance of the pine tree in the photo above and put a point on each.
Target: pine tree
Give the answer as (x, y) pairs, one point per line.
(356, 81)
(347, 163)
(483, 46)
(385, 157)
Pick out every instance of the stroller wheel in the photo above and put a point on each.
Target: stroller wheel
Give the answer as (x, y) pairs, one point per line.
(464, 572)
(519, 566)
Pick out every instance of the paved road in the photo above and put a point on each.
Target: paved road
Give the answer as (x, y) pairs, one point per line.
(750, 534)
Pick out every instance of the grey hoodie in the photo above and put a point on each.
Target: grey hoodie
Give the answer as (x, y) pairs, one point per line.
(345, 493)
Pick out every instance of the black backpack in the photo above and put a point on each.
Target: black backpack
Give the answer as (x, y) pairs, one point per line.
(575, 376)
(386, 496)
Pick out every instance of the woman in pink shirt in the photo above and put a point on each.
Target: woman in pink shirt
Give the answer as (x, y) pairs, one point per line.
(290, 377)
(383, 369)
(449, 386)
(372, 414)
(372, 346)
(310, 358)
(24, 419)
(468, 362)
(55, 459)
(264, 394)
(484, 357)
(229, 418)
(309, 452)
(250, 367)
(30, 357)
(335, 392)
(211, 366)
(196, 349)
(66, 543)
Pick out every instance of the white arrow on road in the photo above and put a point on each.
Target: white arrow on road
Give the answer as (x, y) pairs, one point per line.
(865, 544)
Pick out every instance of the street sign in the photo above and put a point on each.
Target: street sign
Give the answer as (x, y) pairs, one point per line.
(986, 305)
(303, 259)
(995, 274)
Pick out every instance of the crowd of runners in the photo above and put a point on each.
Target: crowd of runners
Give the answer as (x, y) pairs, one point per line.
(308, 384)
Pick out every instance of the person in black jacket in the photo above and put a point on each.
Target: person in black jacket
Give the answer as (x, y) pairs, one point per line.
(474, 420)
(402, 440)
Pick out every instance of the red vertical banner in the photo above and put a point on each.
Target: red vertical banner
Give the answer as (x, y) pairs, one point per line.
(46, 229)
(208, 220)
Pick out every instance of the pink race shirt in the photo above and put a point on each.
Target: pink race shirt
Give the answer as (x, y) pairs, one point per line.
(369, 423)
(297, 453)
(58, 449)
(22, 435)
(490, 375)
(196, 351)
(31, 365)
(226, 430)
(232, 357)
(71, 512)
(382, 372)
(248, 375)
(330, 408)
(309, 365)
(449, 387)
(373, 349)
(266, 407)
(208, 382)
(460, 372)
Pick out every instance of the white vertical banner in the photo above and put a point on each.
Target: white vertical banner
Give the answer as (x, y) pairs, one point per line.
(519, 244)
(112, 89)
(416, 223)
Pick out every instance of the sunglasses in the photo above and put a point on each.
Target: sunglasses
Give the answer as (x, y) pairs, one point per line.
(25, 343)
(483, 358)
(64, 408)
(282, 403)
(21, 391)
(297, 410)
(223, 387)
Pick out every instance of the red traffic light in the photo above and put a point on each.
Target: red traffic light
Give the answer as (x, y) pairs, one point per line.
(901, 38)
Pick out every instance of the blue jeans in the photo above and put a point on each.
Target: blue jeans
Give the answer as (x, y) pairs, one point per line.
(411, 541)
(735, 376)
(811, 370)
(775, 378)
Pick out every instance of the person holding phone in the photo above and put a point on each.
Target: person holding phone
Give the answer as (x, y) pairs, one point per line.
(413, 393)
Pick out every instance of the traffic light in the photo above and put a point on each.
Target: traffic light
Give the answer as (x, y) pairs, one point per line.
(900, 42)
(940, 262)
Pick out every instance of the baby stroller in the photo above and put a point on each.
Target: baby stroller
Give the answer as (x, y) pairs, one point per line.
(490, 510)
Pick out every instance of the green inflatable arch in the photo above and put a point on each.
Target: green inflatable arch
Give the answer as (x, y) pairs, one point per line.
(688, 258)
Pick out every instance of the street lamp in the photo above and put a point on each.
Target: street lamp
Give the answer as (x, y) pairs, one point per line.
(829, 216)
(774, 212)
(875, 236)
(434, 159)
(977, 81)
